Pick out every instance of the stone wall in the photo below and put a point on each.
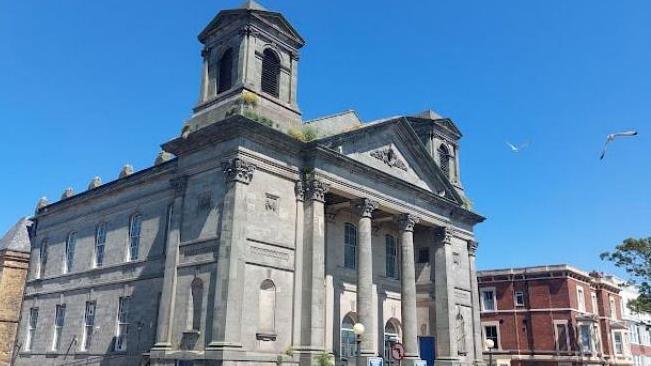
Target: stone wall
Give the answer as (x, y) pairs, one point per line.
(13, 273)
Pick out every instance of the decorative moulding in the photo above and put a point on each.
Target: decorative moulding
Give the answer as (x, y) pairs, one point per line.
(389, 157)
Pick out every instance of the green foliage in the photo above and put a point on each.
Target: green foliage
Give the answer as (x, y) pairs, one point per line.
(324, 359)
(289, 351)
(634, 256)
(258, 118)
(305, 133)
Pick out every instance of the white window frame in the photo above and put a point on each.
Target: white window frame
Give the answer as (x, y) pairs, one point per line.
(595, 302)
(69, 260)
(100, 245)
(133, 250)
(580, 299)
(567, 335)
(31, 328)
(89, 324)
(590, 334)
(481, 298)
(515, 298)
(622, 342)
(57, 329)
(122, 324)
(495, 324)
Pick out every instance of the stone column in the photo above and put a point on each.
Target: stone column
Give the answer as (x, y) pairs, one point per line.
(478, 344)
(227, 320)
(406, 224)
(313, 296)
(168, 295)
(298, 265)
(446, 345)
(364, 209)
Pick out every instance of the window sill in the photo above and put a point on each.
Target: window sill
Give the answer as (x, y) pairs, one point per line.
(191, 332)
(266, 337)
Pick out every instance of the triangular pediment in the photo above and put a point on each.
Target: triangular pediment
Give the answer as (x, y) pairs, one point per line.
(394, 148)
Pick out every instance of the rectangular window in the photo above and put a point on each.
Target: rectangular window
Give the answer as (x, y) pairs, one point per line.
(490, 332)
(31, 328)
(585, 334)
(613, 308)
(423, 255)
(391, 256)
(59, 322)
(619, 343)
(100, 241)
(595, 303)
(488, 302)
(122, 330)
(519, 298)
(89, 324)
(42, 257)
(580, 299)
(71, 242)
(134, 237)
(350, 246)
(562, 337)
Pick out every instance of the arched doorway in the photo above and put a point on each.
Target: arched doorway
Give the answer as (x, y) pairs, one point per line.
(392, 335)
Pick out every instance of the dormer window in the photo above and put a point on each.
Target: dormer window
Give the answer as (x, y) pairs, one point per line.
(225, 71)
(444, 159)
(270, 73)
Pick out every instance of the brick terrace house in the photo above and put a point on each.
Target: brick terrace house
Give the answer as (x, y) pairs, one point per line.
(553, 315)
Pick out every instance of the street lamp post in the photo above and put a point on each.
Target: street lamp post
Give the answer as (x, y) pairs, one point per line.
(358, 329)
(489, 344)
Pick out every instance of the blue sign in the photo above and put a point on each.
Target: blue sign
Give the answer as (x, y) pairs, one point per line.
(375, 361)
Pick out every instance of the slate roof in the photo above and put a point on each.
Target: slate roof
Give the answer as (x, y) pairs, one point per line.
(17, 238)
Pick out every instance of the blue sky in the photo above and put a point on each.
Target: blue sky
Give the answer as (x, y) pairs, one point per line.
(87, 86)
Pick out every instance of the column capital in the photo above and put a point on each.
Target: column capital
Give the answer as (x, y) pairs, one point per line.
(299, 189)
(472, 248)
(238, 170)
(443, 235)
(364, 207)
(179, 184)
(406, 221)
(316, 189)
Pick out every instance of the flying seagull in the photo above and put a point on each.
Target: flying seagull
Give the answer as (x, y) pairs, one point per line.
(517, 149)
(612, 137)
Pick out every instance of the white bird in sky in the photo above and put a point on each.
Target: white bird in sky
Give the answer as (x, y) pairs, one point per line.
(612, 137)
(517, 149)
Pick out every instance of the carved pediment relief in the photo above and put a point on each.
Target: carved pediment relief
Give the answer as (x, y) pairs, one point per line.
(389, 157)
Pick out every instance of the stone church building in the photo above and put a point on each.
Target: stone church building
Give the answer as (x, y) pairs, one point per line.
(257, 238)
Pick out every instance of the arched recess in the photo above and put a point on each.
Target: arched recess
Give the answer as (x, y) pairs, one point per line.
(348, 346)
(267, 309)
(270, 75)
(195, 305)
(392, 335)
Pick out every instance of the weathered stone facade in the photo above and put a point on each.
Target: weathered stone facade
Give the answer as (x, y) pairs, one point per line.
(256, 246)
(14, 260)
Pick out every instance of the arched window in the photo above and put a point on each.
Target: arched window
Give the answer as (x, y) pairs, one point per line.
(391, 336)
(461, 334)
(225, 71)
(350, 246)
(348, 341)
(194, 304)
(270, 72)
(267, 308)
(444, 159)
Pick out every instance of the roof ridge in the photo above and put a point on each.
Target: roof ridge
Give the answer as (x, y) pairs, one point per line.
(335, 115)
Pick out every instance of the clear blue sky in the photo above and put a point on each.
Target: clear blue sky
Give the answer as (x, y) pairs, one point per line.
(86, 86)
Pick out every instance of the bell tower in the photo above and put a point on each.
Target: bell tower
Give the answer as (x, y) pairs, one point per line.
(250, 67)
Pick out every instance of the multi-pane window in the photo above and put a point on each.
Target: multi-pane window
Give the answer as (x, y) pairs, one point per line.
(31, 328)
(619, 343)
(350, 246)
(391, 256)
(134, 236)
(585, 337)
(348, 339)
(59, 322)
(635, 336)
(42, 258)
(122, 324)
(580, 298)
(519, 298)
(71, 242)
(490, 332)
(89, 324)
(488, 300)
(270, 73)
(100, 241)
(562, 337)
(444, 159)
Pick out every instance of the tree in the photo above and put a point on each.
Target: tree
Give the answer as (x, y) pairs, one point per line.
(634, 256)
